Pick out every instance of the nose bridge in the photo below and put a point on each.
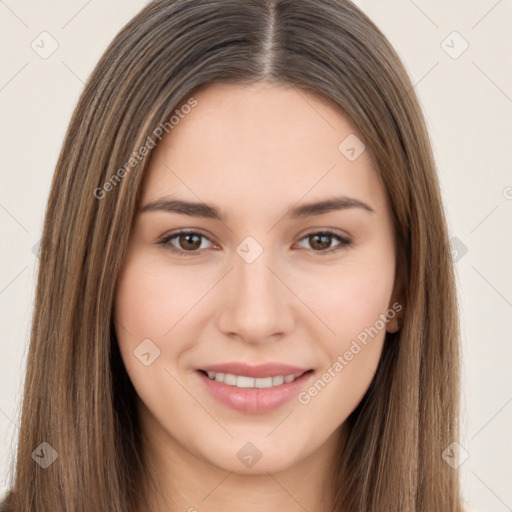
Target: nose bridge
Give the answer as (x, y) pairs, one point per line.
(257, 306)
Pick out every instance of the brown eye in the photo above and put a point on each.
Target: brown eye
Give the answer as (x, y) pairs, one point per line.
(189, 241)
(184, 242)
(320, 242)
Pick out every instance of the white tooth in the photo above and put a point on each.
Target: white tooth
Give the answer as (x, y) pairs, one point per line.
(230, 379)
(265, 382)
(245, 382)
(277, 381)
(250, 382)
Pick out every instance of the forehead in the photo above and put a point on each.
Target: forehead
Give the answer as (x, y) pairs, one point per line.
(243, 144)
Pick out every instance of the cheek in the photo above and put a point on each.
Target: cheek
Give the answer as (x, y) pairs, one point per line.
(151, 304)
(350, 300)
(358, 320)
(151, 301)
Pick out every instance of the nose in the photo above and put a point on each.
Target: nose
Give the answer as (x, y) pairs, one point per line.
(256, 304)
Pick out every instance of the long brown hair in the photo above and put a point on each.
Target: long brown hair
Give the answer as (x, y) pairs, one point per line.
(77, 395)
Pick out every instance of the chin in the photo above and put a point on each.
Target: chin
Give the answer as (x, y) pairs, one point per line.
(257, 454)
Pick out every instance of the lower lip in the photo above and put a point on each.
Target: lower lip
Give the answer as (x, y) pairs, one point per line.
(254, 400)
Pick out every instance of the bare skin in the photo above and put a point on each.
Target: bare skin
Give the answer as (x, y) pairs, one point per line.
(255, 153)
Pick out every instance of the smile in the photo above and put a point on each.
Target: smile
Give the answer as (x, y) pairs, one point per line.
(242, 381)
(254, 395)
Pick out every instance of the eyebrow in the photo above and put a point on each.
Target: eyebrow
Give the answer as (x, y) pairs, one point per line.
(209, 211)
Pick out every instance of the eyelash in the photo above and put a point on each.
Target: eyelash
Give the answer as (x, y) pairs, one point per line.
(344, 242)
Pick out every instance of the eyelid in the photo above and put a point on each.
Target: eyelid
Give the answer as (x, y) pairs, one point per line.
(344, 241)
(165, 240)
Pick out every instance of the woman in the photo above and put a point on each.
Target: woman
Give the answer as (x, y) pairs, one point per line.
(295, 344)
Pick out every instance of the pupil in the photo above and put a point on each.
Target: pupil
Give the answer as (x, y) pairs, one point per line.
(188, 241)
(324, 239)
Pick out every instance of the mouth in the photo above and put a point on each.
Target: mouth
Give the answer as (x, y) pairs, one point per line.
(244, 381)
(251, 394)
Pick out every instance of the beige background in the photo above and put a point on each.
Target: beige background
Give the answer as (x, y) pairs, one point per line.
(467, 100)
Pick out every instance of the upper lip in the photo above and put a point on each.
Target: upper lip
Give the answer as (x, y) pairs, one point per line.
(256, 371)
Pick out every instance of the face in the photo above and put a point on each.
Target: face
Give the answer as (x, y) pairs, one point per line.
(262, 286)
